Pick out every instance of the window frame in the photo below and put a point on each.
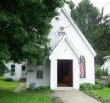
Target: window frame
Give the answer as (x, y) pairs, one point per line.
(23, 68)
(83, 63)
(39, 74)
(13, 68)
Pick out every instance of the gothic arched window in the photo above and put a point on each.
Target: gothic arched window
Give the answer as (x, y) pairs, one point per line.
(82, 67)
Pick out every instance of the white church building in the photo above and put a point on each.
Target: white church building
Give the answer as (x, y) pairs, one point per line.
(71, 61)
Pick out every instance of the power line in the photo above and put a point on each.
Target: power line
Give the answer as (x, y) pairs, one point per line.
(70, 16)
(64, 29)
(105, 5)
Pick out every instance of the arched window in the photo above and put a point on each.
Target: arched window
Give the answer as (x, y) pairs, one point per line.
(82, 67)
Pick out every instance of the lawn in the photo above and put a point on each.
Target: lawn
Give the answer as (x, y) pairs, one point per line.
(101, 94)
(7, 85)
(7, 96)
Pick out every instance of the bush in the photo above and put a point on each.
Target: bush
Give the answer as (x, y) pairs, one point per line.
(89, 86)
(97, 82)
(8, 79)
(98, 86)
(86, 86)
(105, 72)
(109, 80)
(98, 71)
(42, 88)
(3, 68)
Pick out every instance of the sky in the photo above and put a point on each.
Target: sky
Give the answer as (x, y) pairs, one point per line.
(99, 4)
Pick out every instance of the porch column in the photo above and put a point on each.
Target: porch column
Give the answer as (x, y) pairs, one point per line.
(53, 74)
(76, 78)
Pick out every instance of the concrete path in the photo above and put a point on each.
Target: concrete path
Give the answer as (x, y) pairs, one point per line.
(20, 88)
(73, 96)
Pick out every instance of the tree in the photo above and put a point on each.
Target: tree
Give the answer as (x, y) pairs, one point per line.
(93, 24)
(87, 18)
(102, 43)
(24, 27)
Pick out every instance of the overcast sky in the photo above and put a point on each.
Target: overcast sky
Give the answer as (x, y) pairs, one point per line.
(99, 4)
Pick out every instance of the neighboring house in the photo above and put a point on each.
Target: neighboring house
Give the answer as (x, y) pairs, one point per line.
(71, 61)
(106, 64)
(19, 71)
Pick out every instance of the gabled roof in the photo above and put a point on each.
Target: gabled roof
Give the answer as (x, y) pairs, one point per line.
(79, 31)
(69, 43)
(106, 57)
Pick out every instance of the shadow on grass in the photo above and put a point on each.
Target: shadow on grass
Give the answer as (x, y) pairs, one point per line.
(7, 96)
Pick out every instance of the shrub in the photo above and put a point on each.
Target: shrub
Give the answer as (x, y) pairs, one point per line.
(86, 86)
(98, 84)
(8, 79)
(98, 71)
(89, 86)
(105, 72)
(109, 80)
(42, 88)
(97, 81)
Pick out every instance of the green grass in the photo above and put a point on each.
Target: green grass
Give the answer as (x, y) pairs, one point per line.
(7, 96)
(7, 85)
(101, 94)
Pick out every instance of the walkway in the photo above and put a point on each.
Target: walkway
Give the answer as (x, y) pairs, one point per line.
(20, 88)
(73, 96)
